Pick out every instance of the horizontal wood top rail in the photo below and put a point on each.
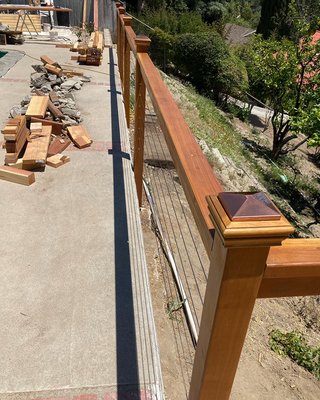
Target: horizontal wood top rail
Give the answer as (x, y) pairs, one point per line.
(292, 269)
(195, 173)
(22, 7)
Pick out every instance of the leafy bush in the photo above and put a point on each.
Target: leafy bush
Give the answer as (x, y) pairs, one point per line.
(294, 345)
(167, 25)
(204, 59)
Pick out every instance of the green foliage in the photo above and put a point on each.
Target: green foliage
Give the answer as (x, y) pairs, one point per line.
(172, 23)
(204, 60)
(285, 74)
(167, 25)
(273, 18)
(243, 113)
(293, 345)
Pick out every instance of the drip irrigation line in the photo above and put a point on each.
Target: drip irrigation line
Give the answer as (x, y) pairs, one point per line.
(172, 284)
(170, 258)
(171, 223)
(184, 214)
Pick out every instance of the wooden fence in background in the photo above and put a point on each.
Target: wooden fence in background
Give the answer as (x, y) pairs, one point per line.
(245, 235)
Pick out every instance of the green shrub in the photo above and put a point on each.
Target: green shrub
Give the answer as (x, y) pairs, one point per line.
(294, 345)
(204, 60)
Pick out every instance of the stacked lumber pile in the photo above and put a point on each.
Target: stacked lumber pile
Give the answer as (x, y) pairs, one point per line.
(90, 53)
(44, 124)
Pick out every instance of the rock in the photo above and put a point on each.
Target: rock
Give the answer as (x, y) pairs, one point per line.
(69, 96)
(204, 147)
(219, 161)
(70, 112)
(4, 27)
(46, 88)
(77, 86)
(315, 229)
(39, 68)
(38, 79)
(18, 110)
(52, 77)
(26, 100)
(68, 84)
(69, 122)
(85, 78)
(15, 110)
(56, 88)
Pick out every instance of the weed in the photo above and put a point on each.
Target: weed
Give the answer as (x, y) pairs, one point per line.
(173, 306)
(294, 345)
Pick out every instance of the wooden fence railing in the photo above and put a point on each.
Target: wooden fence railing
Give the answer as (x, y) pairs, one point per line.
(245, 235)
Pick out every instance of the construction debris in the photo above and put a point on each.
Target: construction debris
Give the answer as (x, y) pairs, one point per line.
(90, 53)
(17, 175)
(57, 160)
(37, 132)
(79, 136)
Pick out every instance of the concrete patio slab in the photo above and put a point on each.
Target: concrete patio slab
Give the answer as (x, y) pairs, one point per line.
(76, 311)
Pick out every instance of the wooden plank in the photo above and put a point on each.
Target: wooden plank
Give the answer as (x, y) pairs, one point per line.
(54, 97)
(47, 60)
(15, 175)
(37, 107)
(72, 72)
(17, 164)
(58, 146)
(292, 269)
(63, 46)
(57, 114)
(57, 160)
(15, 147)
(56, 126)
(52, 69)
(12, 19)
(79, 136)
(96, 14)
(35, 127)
(84, 14)
(35, 155)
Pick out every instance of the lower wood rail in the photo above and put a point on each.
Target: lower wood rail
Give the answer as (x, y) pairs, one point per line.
(292, 269)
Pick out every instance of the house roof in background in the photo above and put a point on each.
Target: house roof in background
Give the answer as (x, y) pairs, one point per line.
(237, 34)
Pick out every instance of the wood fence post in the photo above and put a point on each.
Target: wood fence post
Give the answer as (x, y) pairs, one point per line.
(120, 42)
(118, 5)
(247, 225)
(96, 14)
(142, 44)
(126, 70)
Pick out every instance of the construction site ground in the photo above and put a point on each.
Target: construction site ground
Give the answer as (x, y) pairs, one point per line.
(75, 304)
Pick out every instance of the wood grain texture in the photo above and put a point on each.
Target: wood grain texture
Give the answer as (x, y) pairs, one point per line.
(292, 269)
(235, 275)
(12, 19)
(79, 136)
(56, 126)
(58, 146)
(96, 14)
(36, 152)
(233, 284)
(57, 160)
(15, 175)
(37, 106)
(52, 69)
(47, 60)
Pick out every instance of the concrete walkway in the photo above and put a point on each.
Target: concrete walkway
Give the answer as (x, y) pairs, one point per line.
(75, 311)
